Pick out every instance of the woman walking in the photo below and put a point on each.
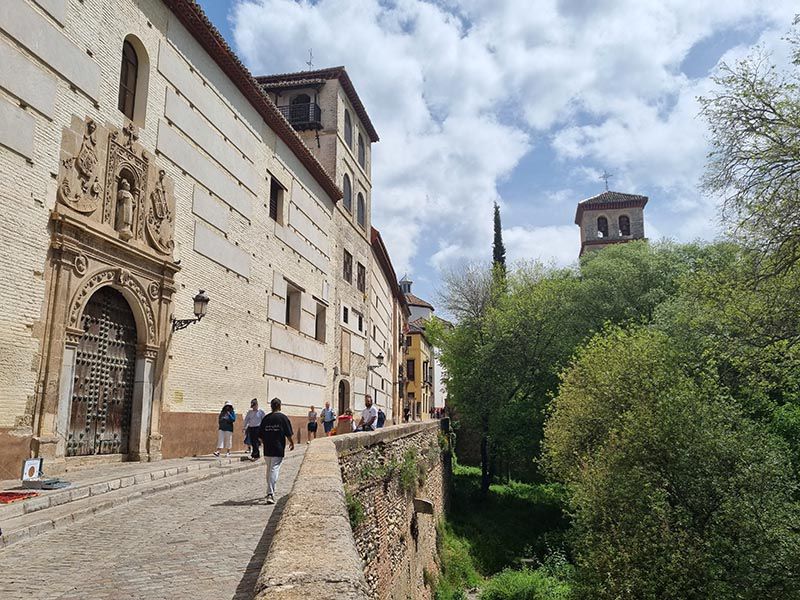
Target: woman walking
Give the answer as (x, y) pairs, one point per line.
(252, 422)
(226, 419)
(312, 425)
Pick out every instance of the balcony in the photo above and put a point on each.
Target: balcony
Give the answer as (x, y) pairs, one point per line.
(303, 116)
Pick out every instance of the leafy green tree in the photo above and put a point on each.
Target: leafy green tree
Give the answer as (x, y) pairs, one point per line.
(675, 494)
(498, 248)
(754, 163)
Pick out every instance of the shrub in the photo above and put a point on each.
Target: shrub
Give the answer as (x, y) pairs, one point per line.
(409, 472)
(355, 510)
(526, 584)
(457, 568)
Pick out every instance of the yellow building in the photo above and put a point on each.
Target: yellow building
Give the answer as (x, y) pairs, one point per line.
(419, 373)
(419, 389)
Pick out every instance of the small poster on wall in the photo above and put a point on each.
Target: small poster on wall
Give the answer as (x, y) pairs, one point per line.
(32, 469)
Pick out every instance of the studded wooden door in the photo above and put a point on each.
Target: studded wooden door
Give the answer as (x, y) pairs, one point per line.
(102, 397)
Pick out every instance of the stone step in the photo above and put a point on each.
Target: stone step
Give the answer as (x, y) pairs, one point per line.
(63, 507)
(100, 481)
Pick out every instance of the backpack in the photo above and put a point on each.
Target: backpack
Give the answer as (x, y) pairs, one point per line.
(381, 418)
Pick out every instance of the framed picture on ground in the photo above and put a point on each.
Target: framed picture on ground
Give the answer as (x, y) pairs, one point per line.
(32, 469)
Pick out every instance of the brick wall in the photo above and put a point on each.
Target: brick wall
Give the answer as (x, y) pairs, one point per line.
(392, 545)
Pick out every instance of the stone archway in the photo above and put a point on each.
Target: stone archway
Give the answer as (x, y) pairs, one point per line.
(101, 405)
(110, 267)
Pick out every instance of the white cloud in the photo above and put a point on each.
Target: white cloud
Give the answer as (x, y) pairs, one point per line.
(556, 244)
(460, 91)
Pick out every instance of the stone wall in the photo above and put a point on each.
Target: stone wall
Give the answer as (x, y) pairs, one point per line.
(391, 544)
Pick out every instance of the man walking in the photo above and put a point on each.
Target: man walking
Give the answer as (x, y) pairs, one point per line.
(328, 418)
(276, 429)
(252, 423)
(369, 416)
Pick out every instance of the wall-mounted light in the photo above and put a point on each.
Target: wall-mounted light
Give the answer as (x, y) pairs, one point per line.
(380, 362)
(200, 308)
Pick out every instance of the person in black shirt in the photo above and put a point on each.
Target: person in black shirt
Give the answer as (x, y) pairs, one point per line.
(276, 430)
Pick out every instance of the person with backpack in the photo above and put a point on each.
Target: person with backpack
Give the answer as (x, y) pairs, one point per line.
(226, 419)
(381, 417)
(276, 430)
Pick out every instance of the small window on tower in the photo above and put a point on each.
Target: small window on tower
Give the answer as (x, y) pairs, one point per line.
(602, 227)
(624, 225)
(361, 278)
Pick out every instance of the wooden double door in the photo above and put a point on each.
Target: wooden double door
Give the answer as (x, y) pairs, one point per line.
(105, 365)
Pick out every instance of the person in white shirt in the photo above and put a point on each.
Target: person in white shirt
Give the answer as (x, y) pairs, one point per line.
(252, 423)
(369, 416)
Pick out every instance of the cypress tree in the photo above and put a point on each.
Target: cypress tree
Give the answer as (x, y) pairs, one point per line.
(498, 250)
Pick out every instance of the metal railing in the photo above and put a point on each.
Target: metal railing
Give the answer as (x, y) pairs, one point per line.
(303, 116)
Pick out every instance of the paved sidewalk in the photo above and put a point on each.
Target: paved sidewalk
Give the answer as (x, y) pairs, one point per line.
(205, 540)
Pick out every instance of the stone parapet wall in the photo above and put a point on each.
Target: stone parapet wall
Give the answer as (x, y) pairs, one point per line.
(392, 546)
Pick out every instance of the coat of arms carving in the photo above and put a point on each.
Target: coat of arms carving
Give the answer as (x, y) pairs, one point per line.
(79, 187)
(160, 217)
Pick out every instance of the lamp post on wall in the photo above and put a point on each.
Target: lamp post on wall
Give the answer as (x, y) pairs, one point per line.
(379, 365)
(200, 308)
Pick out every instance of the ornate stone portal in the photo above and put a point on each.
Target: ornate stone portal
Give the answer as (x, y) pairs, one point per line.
(112, 226)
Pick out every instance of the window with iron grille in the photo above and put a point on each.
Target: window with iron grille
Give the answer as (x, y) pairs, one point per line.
(347, 269)
(361, 278)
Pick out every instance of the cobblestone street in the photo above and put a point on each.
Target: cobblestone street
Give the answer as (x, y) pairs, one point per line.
(206, 540)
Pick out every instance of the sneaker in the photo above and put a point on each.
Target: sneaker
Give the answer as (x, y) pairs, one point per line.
(227, 455)
(216, 452)
(270, 499)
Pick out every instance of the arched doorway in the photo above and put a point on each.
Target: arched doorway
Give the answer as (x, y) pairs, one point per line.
(105, 363)
(344, 396)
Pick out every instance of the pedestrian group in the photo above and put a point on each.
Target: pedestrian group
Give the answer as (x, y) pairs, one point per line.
(273, 431)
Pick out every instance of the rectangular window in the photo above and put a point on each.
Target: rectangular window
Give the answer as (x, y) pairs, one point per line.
(345, 314)
(347, 269)
(410, 368)
(319, 326)
(292, 306)
(408, 341)
(361, 278)
(359, 318)
(275, 201)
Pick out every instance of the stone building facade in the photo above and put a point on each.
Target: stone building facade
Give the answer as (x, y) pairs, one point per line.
(610, 218)
(140, 162)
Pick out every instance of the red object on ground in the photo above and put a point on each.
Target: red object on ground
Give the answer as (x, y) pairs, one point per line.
(9, 497)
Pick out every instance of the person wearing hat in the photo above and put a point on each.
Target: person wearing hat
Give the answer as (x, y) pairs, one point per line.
(226, 419)
(252, 422)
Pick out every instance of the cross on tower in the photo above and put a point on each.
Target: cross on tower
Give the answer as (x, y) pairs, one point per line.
(310, 61)
(605, 177)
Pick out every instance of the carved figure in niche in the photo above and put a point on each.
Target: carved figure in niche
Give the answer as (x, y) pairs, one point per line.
(79, 187)
(125, 201)
(160, 217)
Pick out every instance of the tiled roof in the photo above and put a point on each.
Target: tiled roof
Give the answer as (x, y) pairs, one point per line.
(417, 326)
(386, 265)
(340, 73)
(415, 301)
(609, 199)
(194, 19)
(280, 85)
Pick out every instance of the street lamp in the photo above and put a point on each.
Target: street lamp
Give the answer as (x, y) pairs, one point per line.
(200, 308)
(379, 365)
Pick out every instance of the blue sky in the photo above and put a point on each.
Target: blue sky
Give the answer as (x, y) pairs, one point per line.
(520, 102)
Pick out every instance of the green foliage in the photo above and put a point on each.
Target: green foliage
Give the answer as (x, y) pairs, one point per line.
(753, 121)
(355, 509)
(526, 584)
(675, 493)
(514, 521)
(411, 471)
(457, 567)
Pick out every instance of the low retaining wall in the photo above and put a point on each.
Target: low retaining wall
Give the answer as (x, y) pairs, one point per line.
(392, 485)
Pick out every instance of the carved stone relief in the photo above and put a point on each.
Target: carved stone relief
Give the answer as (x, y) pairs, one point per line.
(106, 168)
(79, 187)
(122, 278)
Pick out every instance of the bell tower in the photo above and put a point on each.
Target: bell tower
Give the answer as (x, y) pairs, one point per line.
(610, 218)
